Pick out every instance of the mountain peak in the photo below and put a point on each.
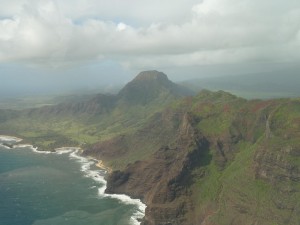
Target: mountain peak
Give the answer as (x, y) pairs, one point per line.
(152, 75)
(148, 86)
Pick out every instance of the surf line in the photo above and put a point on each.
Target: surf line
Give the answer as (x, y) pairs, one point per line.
(98, 176)
(10, 142)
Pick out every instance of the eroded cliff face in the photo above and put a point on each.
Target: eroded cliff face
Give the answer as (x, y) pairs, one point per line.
(274, 165)
(210, 159)
(161, 130)
(216, 159)
(163, 181)
(277, 163)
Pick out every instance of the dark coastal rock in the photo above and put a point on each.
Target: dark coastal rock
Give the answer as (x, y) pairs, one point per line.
(211, 159)
(8, 145)
(117, 178)
(163, 181)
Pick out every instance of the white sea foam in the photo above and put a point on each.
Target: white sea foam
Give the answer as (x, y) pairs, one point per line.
(85, 163)
(9, 138)
(5, 138)
(4, 146)
(98, 176)
(23, 146)
(35, 149)
(65, 150)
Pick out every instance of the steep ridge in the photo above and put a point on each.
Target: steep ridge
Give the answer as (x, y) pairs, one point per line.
(228, 161)
(162, 181)
(97, 104)
(100, 117)
(150, 85)
(210, 159)
(159, 130)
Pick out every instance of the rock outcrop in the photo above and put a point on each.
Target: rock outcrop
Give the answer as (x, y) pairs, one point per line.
(209, 159)
(163, 181)
(255, 156)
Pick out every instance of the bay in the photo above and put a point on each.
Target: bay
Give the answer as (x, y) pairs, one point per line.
(60, 189)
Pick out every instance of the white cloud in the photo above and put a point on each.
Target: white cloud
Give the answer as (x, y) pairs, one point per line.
(149, 33)
(121, 26)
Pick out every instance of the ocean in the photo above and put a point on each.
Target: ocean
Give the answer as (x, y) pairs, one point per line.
(59, 188)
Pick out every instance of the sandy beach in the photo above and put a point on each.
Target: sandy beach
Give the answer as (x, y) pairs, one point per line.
(101, 165)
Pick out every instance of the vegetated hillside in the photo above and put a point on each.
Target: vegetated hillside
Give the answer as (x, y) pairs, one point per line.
(94, 118)
(263, 85)
(150, 85)
(212, 159)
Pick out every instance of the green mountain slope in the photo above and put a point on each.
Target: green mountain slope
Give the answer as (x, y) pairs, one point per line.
(99, 117)
(150, 85)
(213, 159)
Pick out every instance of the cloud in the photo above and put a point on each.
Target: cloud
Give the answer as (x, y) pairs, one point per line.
(149, 33)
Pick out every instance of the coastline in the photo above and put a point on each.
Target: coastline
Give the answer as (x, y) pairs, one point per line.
(7, 138)
(86, 163)
(102, 166)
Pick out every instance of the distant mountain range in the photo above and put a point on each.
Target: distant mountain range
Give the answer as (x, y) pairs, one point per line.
(210, 158)
(259, 85)
(250, 86)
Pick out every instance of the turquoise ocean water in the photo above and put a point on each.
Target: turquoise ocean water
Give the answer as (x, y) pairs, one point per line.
(58, 189)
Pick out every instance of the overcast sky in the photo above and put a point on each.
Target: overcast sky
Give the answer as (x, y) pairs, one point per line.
(109, 41)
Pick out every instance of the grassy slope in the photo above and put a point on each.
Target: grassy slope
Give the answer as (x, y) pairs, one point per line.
(49, 130)
(233, 193)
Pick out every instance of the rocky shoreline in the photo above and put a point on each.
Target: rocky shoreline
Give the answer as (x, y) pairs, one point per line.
(11, 142)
